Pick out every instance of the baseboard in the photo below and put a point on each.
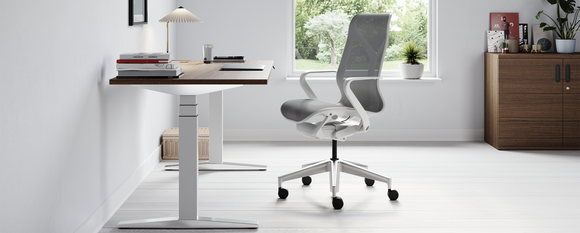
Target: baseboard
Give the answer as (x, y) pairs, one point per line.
(97, 220)
(371, 135)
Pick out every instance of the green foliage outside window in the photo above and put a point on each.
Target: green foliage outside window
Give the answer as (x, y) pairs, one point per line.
(409, 23)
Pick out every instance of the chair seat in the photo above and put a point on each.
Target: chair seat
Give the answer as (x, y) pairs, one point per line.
(300, 109)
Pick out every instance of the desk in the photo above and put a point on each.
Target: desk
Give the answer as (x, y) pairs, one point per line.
(199, 79)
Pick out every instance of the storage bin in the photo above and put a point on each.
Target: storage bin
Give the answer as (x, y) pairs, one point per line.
(170, 146)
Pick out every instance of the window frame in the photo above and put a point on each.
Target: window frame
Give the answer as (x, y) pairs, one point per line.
(430, 70)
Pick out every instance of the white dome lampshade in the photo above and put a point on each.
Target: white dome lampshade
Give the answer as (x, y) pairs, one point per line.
(179, 15)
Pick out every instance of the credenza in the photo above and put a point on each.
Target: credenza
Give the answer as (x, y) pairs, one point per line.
(532, 101)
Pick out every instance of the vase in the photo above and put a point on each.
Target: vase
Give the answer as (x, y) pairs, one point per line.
(410, 71)
(565, 46)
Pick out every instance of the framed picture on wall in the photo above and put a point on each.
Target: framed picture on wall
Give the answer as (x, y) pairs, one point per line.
(137, 12)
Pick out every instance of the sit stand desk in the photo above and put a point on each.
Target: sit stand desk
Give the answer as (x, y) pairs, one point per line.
(199, 78)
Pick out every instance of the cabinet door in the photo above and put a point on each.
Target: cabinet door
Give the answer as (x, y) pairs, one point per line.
(530, 76)
(571, 103)
(571, 76)
(530, 103)
(571, 122)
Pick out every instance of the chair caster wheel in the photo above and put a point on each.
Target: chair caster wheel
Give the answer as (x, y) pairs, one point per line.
(282, 193)
(393, 194)
(337, 203)
(306, 180)
(369, 182)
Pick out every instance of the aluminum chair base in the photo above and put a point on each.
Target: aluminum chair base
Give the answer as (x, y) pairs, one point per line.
(335, 166)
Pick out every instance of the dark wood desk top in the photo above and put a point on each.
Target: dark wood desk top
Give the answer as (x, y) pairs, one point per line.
(196, 72)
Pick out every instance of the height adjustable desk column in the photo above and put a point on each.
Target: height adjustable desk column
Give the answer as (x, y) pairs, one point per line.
(199, 79)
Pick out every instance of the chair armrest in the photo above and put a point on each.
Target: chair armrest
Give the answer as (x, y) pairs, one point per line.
(305, 85)
(355, 102)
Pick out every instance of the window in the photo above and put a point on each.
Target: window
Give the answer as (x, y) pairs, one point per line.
(321, 27)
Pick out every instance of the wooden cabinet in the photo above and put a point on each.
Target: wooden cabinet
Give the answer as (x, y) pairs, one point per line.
(532, 101)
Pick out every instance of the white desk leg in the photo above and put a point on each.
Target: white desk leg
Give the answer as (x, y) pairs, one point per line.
(188, 177)
(216, 140)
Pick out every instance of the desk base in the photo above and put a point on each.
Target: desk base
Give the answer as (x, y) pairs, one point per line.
(200, 223)
(225, 166)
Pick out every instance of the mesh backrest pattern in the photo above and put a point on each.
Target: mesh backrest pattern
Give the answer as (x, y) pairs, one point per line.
(363, 56)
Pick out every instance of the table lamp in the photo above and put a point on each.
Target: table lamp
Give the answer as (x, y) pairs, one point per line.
(180, 15)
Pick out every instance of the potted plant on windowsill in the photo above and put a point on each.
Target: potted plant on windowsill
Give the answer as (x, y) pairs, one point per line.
(565, 29)
(411, 53)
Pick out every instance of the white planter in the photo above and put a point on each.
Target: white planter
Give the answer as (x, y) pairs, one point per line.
(410, 71)
(565, 46)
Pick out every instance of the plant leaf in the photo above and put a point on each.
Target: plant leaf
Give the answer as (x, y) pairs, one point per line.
(543, 24)
(549, 28)
(538, 15)
(562, 20)
(552, 1)
(568, 6)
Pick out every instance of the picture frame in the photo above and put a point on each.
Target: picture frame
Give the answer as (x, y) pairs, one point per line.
(507, 22)
(137, 12)
(545, 39)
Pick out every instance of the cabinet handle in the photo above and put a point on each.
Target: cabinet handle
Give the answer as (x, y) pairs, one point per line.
(558, 73)
(567, 73)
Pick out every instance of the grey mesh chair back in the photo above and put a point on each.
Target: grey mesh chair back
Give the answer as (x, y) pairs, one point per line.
(363, 56)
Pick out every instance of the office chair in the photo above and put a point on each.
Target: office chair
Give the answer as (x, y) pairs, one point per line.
(358, 81)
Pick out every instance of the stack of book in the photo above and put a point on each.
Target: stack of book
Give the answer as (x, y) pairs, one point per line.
(229, 59)
(147, 65)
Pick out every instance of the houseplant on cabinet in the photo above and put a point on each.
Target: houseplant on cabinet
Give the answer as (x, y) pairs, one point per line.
(566, 29)
(411, 53)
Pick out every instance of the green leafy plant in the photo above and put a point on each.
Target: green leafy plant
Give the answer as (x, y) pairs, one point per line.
(412, 53)
(566, 29)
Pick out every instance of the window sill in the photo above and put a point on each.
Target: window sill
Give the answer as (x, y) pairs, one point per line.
(383, 79)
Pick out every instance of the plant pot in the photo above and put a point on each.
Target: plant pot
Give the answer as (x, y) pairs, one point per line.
(411, 71)
(565, 46)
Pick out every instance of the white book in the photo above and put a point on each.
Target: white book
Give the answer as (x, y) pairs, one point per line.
(494, 40)
(145, 56)
(148, 66)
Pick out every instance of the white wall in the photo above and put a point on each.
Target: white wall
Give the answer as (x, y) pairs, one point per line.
(68, 140)
(259, 29)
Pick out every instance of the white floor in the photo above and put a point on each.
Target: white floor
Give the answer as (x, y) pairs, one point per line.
(444, 187)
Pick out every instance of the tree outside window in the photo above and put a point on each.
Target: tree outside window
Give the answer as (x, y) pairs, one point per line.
(321, 28)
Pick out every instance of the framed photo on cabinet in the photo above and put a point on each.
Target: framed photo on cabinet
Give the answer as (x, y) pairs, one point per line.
(543, 38)
(509, 23)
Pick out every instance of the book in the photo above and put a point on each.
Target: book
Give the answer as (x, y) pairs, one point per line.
(145, 56)
(545, 39)
(506, 22)
(143, 73)
(524, 34)
(143, 61)
(176, 76)
(494, 40)
(147, 66)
